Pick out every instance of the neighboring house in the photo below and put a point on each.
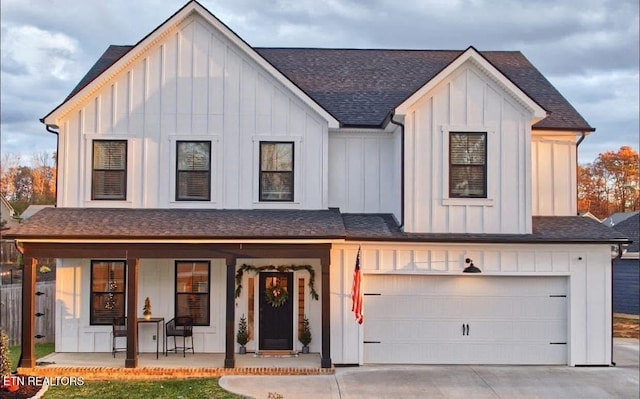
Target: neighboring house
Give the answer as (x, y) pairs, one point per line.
(626, 270)
(590, 215)
(8, 253)
(32, 210)
(617, 218)
(191, 162)
(7, 214)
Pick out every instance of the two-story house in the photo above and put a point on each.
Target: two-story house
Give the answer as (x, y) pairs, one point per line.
(222, 180)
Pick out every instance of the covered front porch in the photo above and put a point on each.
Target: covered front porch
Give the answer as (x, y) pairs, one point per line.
(228, 258)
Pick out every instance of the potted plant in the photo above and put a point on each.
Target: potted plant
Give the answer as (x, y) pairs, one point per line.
(304, 335)
(146, 311)
(243, 335)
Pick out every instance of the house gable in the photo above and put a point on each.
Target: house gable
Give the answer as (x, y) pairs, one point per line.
(468, 100)
(170, 26)
(471, 55)
(193, 81)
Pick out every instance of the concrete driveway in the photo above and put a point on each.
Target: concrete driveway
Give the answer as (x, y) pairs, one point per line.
(400, 382)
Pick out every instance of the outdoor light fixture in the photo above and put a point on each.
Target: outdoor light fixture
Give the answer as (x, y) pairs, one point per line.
(471, 268)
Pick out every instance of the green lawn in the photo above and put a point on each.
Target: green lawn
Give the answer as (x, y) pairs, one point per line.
(41, 350)
(183, 389)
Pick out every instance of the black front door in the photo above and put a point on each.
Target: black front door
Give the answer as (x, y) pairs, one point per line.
(276, 314)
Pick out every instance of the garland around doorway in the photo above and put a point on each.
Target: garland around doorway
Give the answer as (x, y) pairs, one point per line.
(280, 298)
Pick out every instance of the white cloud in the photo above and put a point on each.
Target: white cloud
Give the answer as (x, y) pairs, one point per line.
(37, 51)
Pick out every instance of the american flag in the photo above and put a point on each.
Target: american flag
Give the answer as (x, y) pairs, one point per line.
(356, 294)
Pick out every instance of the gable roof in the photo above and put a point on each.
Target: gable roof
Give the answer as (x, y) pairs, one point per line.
(122, 56)
(362, 87)
(617, 217)
(473, 56)
(631, 228)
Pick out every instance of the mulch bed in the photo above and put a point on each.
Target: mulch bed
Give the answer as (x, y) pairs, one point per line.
(24, 392)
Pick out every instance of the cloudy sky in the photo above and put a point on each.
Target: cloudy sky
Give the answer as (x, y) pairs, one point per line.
(587, 48)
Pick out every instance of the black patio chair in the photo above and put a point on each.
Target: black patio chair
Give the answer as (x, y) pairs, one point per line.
(119, 330)
(180, 327)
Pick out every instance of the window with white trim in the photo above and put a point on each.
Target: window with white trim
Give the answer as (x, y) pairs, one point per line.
(193, 170)
(109, 171)
(467, 165)
(276, 171)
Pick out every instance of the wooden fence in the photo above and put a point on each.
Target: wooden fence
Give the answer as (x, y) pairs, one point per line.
(11, 311)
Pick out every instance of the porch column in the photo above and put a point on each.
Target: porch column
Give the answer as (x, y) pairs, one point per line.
(132, 313)
(28, 352)
(229, 357)
(325, 361)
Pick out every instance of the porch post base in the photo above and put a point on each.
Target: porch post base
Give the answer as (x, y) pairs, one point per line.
(131, 363)
(28, 363)
(325, 362)
(229, 363)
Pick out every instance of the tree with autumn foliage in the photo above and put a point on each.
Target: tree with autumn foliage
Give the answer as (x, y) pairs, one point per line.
(610, 183)
(25, 185)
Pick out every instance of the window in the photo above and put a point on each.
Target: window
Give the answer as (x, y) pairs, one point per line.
(192, 291)
(468, 165)
(109, 180)
(193, 171)
(107, 291)
(276, 171)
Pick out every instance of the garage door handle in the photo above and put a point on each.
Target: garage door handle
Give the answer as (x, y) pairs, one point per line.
(465, 329)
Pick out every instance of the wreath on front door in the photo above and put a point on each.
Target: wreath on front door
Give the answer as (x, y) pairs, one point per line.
(276, 295)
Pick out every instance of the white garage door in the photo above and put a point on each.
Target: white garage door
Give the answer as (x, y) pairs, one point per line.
(465, 319)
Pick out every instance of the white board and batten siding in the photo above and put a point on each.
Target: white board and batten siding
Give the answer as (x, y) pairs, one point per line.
(74, 332)
(554, 174)
(537, 304)
(364, 171)
(468, 101)
(193, 84)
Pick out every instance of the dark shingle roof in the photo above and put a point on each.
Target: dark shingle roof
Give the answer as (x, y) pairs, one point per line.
(362, 87)
(110, 223)
(631, 228)
(108, 58)
(546, 229)
(180, 223)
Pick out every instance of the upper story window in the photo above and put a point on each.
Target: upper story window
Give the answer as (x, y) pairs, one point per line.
(107, 291)
(193, 171)
(276, 171)
(109, 178)
(468, 165)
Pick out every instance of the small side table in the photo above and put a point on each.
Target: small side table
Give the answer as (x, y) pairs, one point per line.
(159, 322)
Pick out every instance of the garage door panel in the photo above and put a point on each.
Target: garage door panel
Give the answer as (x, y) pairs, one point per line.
(423, 319)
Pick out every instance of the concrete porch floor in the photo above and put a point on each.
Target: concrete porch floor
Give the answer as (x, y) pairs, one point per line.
(104, 366)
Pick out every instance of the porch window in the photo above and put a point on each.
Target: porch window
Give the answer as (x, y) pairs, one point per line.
(468, 165)
(192, 291)
(109, 177)
(108, 286)
(276, 171)
(193, 174)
